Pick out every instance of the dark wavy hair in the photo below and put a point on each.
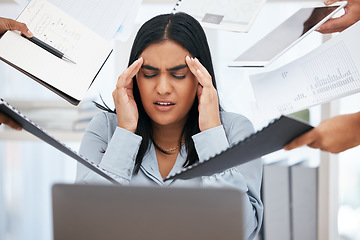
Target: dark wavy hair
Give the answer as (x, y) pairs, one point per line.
(186, 31)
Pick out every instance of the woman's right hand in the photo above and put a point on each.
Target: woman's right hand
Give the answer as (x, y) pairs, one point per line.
(126, 109)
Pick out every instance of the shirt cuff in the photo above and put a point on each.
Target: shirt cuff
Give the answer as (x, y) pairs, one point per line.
(210, 142)
(120, 155)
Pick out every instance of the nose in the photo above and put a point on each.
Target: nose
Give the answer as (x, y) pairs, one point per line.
(163, 85)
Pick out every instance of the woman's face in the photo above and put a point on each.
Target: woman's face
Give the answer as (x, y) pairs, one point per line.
(167, 86)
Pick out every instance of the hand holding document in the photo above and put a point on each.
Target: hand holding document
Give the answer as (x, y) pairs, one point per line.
(10, 24)
(329, 72)
(66, 35)
(286, 35)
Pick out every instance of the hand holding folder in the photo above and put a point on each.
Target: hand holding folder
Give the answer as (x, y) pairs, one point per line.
(34, 129)
(5, 119)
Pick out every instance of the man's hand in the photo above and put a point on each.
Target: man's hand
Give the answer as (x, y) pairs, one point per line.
(333, 135)
(351, 16)
(9, 24)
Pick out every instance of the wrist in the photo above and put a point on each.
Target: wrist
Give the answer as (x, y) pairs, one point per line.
(127, 127)
(210, 125)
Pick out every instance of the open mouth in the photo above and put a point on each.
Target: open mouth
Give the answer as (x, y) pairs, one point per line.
(164, 106)
(164, 103)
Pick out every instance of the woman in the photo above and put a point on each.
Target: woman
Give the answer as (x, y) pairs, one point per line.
(167, 116)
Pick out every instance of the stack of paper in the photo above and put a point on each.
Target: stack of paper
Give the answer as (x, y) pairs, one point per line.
(329, 72)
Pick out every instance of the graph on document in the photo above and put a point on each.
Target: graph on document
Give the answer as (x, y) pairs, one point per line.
(331, 74)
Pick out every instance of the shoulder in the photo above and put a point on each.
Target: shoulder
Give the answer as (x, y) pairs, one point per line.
(236, 126)
(230, 119)
(102, 121)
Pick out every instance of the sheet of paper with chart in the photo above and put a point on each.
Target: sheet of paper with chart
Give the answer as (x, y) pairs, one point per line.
(231, 15)
(329, 72)
(53, 26)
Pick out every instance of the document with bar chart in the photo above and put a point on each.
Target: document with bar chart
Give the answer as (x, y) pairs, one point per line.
(329, 72)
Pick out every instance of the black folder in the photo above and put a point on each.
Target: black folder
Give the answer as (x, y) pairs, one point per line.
(34, 129)
(270, 139)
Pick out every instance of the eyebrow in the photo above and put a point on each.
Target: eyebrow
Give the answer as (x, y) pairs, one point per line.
(178, 67)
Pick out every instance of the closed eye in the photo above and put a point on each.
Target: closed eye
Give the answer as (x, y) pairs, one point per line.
(150, 75)
(178, 76)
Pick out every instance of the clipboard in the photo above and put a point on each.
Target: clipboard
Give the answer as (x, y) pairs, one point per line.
(270, 139)
(61, 31)
(37, 131)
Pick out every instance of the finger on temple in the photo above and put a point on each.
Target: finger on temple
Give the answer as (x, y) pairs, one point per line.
(201, 67)
(126, 77)
(191, 66)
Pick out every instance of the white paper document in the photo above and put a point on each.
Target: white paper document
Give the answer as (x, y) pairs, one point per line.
(329, 72)
(231, 15)
(56, 28)
(105, 17)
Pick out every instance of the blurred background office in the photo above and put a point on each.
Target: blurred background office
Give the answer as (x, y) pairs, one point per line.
(29, 167)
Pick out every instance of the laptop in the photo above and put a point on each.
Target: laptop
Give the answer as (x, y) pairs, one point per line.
(122, 212)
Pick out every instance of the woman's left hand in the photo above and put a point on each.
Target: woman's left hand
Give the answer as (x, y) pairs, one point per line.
(209, 116)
